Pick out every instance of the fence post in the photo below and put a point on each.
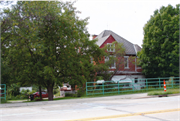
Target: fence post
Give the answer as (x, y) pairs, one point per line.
(86, 89)
(172, 82)
(146, 85)
(103, 88)
(133, 84)
(159, 83)
(5, 90)
(118, 87)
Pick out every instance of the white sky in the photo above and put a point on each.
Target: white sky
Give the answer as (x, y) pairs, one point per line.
(124, 17)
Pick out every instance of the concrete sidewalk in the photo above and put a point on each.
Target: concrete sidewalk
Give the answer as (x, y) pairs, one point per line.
(78, 100)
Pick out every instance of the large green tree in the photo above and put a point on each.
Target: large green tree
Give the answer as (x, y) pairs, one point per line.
(47, 44)
(160, 50)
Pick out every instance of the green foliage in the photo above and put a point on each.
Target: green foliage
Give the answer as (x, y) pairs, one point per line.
(117, 57)
(3, 101)
(99, 77)
(24, 94)
(81, 92)
(70, 95)
(159, 56)
(13, 89)
(55, 91)
(5, 73)
(40, 40)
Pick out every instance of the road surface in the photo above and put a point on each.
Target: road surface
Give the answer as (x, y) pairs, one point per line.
(98, 109)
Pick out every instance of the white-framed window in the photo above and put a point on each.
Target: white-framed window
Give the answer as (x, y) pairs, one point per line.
(126, 62)
(110, 48)
(113, 64)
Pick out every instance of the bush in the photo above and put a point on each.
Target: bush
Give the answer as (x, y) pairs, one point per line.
(55, 91)
(3, 100)
(13, 89)
(80, 92)
(70, 95)
(23, 95)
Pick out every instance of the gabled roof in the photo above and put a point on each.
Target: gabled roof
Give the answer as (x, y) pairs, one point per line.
(130, 47)
(101, 40)
(137, 48)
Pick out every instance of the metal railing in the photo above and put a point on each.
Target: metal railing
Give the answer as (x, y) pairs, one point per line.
(141, 84)
(3, 91)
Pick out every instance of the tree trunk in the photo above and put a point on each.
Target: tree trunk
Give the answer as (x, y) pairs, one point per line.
(50, 92)
(40, 93)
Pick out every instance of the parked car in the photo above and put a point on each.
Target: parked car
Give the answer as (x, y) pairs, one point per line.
(44, 94)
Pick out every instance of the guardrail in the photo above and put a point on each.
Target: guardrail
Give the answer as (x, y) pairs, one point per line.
(3, 91)
(141, 84)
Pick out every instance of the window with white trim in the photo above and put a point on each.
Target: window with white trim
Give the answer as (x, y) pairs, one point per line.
(110, 47)
(113, 64)
(126, 62)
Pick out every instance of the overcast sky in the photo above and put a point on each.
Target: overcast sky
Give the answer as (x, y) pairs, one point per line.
(124, 17)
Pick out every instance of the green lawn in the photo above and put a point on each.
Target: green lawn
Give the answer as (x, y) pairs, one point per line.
(152, 92)
(169, 91)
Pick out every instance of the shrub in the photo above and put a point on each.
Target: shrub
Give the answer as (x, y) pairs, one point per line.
(55, 91)
(13, 89)
(3, 100)
(70, 95)
(80, 92)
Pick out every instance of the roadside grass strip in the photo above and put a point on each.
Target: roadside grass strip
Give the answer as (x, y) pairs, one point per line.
(125, 115)
(169, 91)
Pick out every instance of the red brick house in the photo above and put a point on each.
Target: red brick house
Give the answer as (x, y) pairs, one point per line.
(130, 70)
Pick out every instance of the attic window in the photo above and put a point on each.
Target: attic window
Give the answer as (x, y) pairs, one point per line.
(110, 47)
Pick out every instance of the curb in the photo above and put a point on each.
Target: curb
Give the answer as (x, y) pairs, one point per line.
(166, 95)
(80, 100)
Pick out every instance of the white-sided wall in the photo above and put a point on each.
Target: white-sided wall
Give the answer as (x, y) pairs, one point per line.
(137, 84)
(25, 88)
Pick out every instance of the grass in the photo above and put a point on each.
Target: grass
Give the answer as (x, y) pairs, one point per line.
(169, 91)
(152, 91)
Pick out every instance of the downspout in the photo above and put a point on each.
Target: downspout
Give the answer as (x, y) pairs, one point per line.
(135, 65)
(135, 57)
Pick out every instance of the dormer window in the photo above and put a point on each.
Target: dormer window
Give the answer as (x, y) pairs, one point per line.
(110, 47)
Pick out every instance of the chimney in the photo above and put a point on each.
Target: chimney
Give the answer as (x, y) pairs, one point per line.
(94, 36)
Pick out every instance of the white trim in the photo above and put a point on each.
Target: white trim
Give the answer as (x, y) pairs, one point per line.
(135, 49)
(127, 62)
(110, 46)
(135, 65)
(107, 59)
(114, 63)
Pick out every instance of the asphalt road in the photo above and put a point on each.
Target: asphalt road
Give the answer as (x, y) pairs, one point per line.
(114, 108)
